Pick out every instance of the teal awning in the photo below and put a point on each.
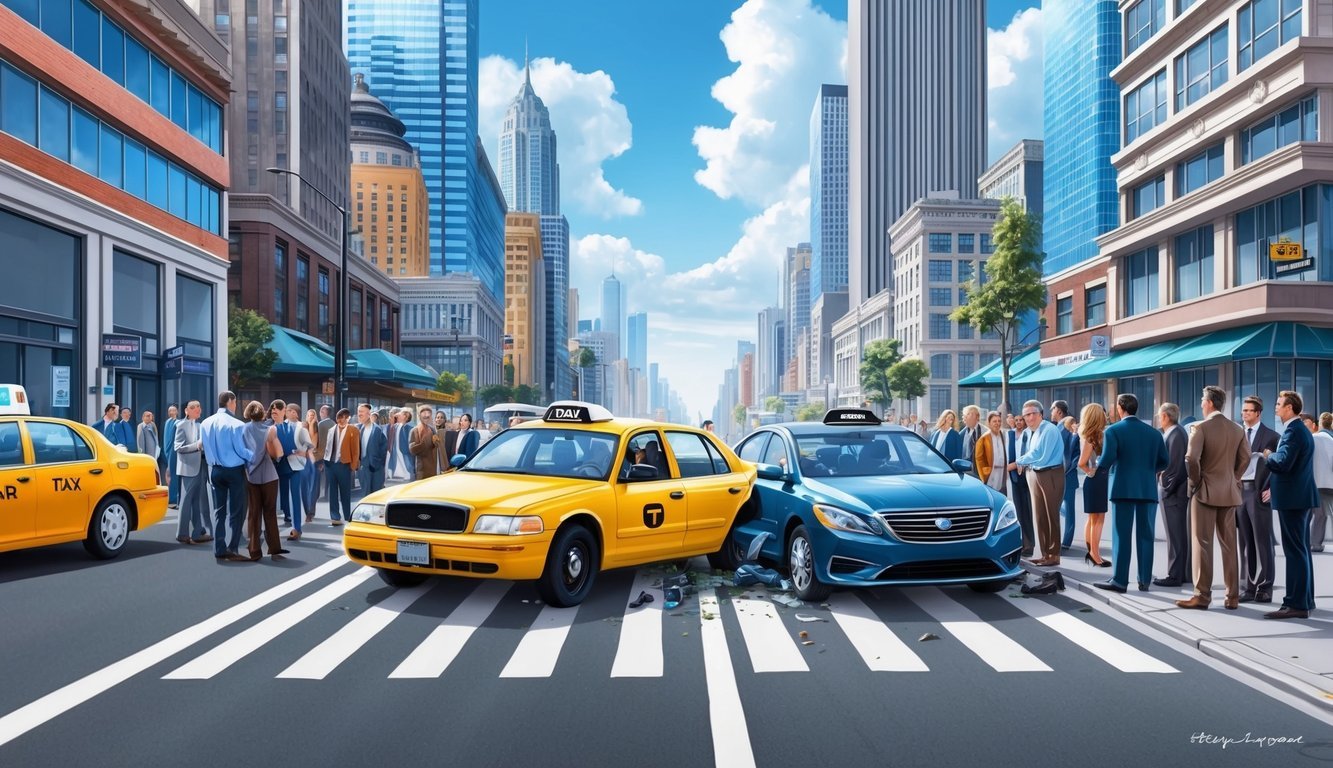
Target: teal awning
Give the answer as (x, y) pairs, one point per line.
(301, 353)
(379, 365)
(989, 375)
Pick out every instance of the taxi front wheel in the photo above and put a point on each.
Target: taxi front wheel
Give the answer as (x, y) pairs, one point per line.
(801, 567)
(571, 567)
(109, 529)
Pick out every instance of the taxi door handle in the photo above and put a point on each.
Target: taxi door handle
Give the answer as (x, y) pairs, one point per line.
(677, 494)
(23, 479)
(733, 491)
(97, 471)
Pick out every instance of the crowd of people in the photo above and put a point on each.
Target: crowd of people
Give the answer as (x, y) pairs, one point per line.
(1220, 485)
(241, 469)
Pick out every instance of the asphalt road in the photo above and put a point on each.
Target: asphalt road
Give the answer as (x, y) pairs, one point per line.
(164, 657)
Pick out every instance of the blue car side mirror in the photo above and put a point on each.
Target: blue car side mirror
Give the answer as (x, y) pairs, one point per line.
(458, 460)
(962, 466)
(771, 472)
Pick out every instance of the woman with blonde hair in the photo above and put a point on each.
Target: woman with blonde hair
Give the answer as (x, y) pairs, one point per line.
(309, 475)
(945, 436)
(1092, 430)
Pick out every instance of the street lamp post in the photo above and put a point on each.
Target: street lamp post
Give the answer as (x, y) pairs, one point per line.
(340, 341)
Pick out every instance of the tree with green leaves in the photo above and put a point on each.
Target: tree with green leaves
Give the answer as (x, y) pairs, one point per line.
(526, 393)
(876, 360)
(907, 378)
(508, 372)
(738, 414)
(248, 359)
(1013, 286)
(585, 358)
(775, 404)
(455, 384)
(811, 411)
(496, 393)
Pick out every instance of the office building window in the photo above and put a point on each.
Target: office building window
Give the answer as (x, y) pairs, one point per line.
(940, 297)
(966, 332)
(966, 271)
(1141, 387)
(967, 363)
(1194, 264)
(325, 331)
(1142, 21)
(966, 242)
(939, 325)
(1299, 122)
(1204, 168)
(1064, 315)
(940, 367)
(941, 242)
(1201, 69)
(1301, 216)
(987, 246)
(941, 271)
(1140, 282)
(1148, 196)
(1262, 26)
(1094, 303)
(1145, 107)
(941, 399)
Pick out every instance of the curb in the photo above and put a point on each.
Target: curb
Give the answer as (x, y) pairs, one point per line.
(1306, 685)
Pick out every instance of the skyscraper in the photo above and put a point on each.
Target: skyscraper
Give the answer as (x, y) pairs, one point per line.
(828, 191)
(529, 170)
(555, 254)
(613, 313)
(1081, 118)
(420, 58)
(525, 318)
(386, 175)
(797, 300)
(636, 339)
(917, 119)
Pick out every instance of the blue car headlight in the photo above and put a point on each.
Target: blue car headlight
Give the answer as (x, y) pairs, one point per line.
(1008, 516)
(842, 520)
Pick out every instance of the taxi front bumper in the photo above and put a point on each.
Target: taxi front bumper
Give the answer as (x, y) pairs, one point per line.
(518, 558)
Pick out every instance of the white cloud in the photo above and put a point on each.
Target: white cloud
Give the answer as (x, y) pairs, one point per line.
(783, 50)
(591, 127)
(1014, 71)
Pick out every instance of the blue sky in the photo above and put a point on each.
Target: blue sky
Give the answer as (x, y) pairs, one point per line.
(682, 133)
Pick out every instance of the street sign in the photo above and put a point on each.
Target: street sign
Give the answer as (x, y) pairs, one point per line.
(1100, 347)
(121, 350)
(328, 387)
(1284, 250)
(60, 386)
(198, 367)
(1292, 267)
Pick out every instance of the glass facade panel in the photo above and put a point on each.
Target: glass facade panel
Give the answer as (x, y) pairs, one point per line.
(940, 271)
(1141, 282)
(113, 51)
(940, 326)
(1194, 264)
(941, 367)
(48, 286)
(1202, 68)
(1094, 306)
(87, 138)
(110, 165)
(136, 159)
(941, 242)
(1064, 315)
(1262, 26)
(18, 102)
(1143, 20)
(1302, 216)
(53, 119)
(157, 180)
(57, 21)
(1299, 122)
(1204, 168)
(137, 72)
(87, 29)
(1145, 107)
(1147, 197)
(194, 309)
(135, 294)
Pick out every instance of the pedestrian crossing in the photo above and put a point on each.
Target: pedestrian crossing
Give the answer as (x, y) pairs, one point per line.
(747, 621)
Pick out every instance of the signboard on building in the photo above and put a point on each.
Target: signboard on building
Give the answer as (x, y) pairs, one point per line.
(1284, 250)
(121, 350)
(1100, 347)
(328, 387)
(1293, 267)
(173, 362)
(60, 386)
(197, 367)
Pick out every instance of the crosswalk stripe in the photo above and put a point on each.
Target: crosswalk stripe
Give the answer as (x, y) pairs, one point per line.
(439, 649)
(540, 647)
(771, 648)
(880, 649)
(61, 700)
(325, 657)
(991, 645)
(231, 651)
(726, 716)
(1113, 651)
(639, 652)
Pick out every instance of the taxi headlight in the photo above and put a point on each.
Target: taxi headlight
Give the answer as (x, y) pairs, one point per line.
(509, 525)
(1008, 516)
(368, 513)
(841, 519)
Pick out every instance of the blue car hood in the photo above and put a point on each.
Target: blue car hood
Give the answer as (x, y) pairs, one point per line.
(901, 492)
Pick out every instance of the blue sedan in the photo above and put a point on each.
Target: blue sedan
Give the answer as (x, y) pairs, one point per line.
(851, 502)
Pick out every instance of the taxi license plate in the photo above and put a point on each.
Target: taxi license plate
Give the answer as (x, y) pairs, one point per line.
(413, 553)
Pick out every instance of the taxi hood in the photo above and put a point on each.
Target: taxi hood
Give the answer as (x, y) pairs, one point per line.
(903, 492)
(497, 491)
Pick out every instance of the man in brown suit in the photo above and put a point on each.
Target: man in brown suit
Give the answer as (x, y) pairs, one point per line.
(342, 457)
(1215, 460)
(424, 444)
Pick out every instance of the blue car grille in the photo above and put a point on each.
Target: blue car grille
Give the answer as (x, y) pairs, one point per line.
(924, 526)
(928, 570)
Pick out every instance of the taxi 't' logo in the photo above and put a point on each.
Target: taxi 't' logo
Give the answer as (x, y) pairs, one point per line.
(654, 515)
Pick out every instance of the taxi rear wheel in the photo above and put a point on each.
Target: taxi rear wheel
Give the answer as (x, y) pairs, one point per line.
(109, 529)
(801, 568)
(400, 578)
(571, 567)
(730, 556)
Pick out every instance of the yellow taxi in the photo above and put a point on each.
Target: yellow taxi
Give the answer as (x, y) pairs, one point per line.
(556, 500)
(61, 481)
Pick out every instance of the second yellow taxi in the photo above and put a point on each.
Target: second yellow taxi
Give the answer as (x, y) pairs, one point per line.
(556, 501)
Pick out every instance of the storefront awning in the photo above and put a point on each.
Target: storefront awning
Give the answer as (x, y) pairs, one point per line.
(301, 353)
(989, 375)
(379, 365)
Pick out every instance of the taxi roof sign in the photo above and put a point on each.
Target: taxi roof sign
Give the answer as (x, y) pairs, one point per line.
(14, 401)
(853, 417)
(576, 412)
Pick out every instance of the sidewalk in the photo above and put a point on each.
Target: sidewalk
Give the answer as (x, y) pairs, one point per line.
(1292, 655)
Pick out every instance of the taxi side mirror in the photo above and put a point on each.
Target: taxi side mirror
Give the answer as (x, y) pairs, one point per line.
(639, 472)
(771, 472)
(962, 466)
(458, 460)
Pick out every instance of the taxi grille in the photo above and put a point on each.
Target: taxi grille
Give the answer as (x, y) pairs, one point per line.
(940, 569)
(432, 518)
(921, 526)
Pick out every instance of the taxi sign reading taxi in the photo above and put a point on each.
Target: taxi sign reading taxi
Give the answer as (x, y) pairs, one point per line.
(1284, 251)
(575, 412)
(851, 417)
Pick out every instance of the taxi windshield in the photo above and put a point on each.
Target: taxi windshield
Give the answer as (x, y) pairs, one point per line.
(867, 453)
(546, 452)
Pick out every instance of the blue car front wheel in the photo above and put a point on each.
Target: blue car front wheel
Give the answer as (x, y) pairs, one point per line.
(801, 567)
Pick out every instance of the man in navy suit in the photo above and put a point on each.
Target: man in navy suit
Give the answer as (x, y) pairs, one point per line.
(1175, 498)
(107, 424)
(1292, 493)
(374, 451)
(1134, 453)
(1254, 518)
(1018, 488)
(1059, 410)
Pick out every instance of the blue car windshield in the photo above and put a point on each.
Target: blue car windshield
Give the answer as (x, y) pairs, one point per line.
(867, 453)
(546, 452)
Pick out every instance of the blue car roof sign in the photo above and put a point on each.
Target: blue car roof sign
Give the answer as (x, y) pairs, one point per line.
(851, 417)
